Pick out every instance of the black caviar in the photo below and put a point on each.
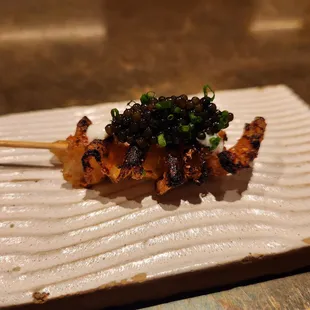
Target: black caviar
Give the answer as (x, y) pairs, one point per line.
(168, 120)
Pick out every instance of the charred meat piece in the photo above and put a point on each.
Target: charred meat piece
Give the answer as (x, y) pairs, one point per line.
(93, 161)
(194, 165)
(246, 149)
(132, 166)
(86, 164)
(72, 156)
(173, 175)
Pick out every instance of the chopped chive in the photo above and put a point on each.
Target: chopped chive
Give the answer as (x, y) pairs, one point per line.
(170, 117)
(224, 116)
(195, 119)
(151, 94)
(114, 112)
(166, 104)
(221, 125)
(225, 113)
(185, 128)
(205, 91)
(161, 140)
(224, 119)
(177, 110)
(163, 105)
(158, 106)
(215, 141)
(192, 117)
(144, 98)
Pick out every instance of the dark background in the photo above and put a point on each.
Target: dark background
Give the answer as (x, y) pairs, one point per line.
(58, 53)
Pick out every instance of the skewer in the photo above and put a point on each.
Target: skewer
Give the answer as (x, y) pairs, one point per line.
(60, 145)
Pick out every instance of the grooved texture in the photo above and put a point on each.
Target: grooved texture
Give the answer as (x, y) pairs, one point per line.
(62, 241)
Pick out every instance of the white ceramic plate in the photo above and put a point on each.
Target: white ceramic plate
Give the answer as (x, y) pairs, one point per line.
(57, 241)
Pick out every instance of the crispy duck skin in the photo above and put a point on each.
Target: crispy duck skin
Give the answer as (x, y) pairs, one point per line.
(85, 164)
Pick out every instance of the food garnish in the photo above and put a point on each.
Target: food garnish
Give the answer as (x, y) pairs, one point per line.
(169, 121)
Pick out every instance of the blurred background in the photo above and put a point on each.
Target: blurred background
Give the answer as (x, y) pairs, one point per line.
(58, 53)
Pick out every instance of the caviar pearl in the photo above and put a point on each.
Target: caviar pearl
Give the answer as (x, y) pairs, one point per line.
(136, 116)
(211, 107)
(201, 135)
(195, 100)
(108, 130)
(176, 119)
(230, 117)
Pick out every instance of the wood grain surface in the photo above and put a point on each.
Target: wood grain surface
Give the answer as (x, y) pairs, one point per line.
(292, 292)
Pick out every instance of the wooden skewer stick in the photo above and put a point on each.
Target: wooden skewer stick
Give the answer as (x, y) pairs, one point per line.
(60, 145)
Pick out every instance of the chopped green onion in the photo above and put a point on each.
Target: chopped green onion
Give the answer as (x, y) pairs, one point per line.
(163, 105)
(195, 119)
(224, 119)
(185, 128)
(205, 91)
(143, 172)
(215, 141)
(114, 112)
(170, 117)
(192, 117)
(166, 104)
(225, 115)
(161, 140)
(177, 110)
(145, 98)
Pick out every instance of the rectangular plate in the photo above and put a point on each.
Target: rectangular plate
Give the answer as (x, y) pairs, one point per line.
(57, 241)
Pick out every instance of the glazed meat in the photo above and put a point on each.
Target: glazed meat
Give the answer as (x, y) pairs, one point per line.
(86, 163)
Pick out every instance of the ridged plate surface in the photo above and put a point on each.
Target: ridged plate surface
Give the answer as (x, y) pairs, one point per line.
(60, 241)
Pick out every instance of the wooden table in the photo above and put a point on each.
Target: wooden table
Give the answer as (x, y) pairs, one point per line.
(291, 292)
